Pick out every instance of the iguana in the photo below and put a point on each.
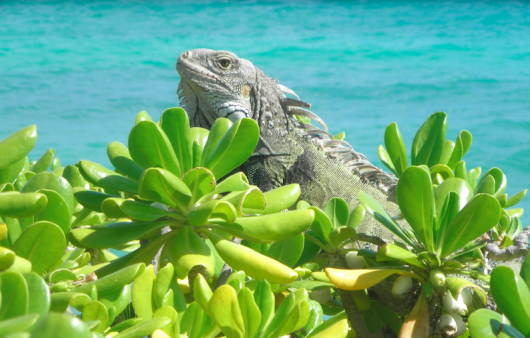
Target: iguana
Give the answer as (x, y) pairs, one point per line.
(219, 84)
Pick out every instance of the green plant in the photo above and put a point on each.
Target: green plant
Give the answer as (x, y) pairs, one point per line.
(511, 293)
(171, 178)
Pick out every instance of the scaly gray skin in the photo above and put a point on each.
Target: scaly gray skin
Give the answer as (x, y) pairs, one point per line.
(219, 84)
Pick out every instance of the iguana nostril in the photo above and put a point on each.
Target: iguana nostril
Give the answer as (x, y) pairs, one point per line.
(187, 54)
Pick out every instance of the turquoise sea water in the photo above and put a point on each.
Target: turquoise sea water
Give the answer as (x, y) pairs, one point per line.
(82, 70)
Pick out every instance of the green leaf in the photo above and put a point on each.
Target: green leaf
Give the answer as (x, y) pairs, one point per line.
(113, 281)
(121, 159)
(144, 328)
(142, 294)
(212, 209)
(15, 296)
(42, 243)
(321, 225)
(235, 147)
(17, 145)
(235, 182)
(143, 254)
(217, 131)
(337, 326)
(198, 137)
(188, 250)
(107, 179)
(225, 311)
(249, 311)
(45, 180)
(416, 202)
(277, 200)
(16, 205)
(60, 301)
(162, 283)
(512, 296)
(429, 141)
(449, 210)
(287, 251)
(38, 294)
(476, 218)
(17, 324)
(456, 185)
(265, 301)
(200, 181)
(142, 116)
(381, 215)
(251, 198)
(172, 328)
(136, 210)
(44, 162)
(124, 325)
(116, 301)
(176, 125)
(449, 146)
(56, 211)
(316, 316)
(61, 326)
(463, 142)
(356, 216)
(74, 177)
(112, 235)
(505, 329)
(516, 198)
(96, 311)
(202, 292)
(162, 186)
(7, 258)
(396, 148)
(385, 159)
(338, 212)
(91, 199)
(150, 147)
(486, 186)
(500, 180)
(254, 264)
(269, 228)
(390, 252)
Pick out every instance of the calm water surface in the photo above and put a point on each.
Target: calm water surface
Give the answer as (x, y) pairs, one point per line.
(82, 70)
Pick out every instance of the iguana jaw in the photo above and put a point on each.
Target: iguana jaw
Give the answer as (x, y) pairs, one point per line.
(209, 87)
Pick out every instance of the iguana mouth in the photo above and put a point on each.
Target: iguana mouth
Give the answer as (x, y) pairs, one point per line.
(189, 71)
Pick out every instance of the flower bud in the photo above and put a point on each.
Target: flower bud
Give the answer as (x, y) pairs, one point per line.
(454, 306)
(448, 324)
(354, 261)
(437, 278)
(460, 325)
(321, 296)
(402, 285)
(467, 296)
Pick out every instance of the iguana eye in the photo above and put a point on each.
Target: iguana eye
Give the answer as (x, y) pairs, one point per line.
(225, 63)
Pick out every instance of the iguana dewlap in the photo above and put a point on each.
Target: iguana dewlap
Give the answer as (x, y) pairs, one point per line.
(219, 84)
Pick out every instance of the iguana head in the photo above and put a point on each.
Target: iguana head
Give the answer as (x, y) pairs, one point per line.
(215, 84)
